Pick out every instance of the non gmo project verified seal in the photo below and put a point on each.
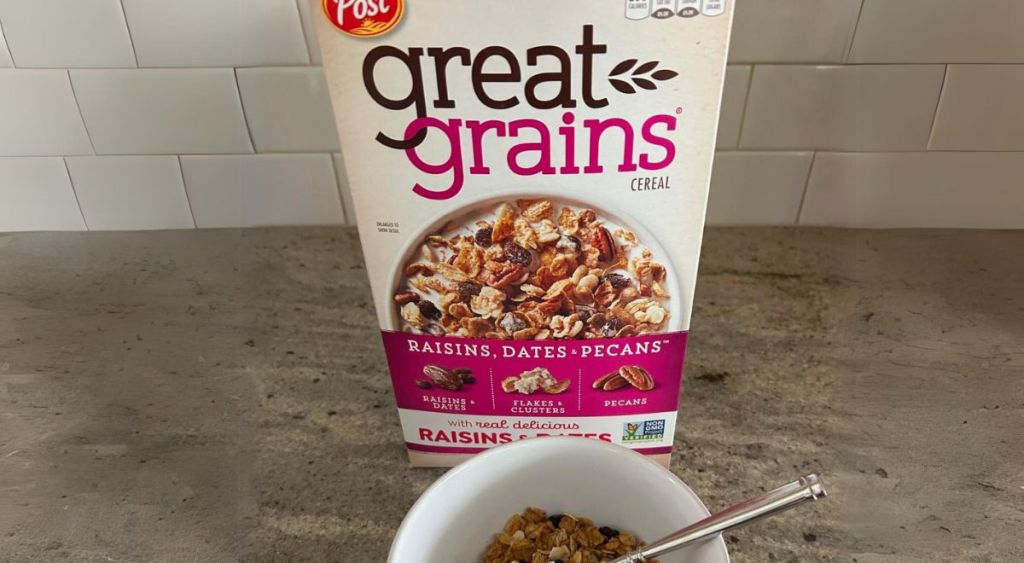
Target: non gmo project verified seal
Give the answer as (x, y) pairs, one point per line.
(645, 431)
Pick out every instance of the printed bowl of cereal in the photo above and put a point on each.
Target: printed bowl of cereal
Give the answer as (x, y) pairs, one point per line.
(551, 489)
(534, 266)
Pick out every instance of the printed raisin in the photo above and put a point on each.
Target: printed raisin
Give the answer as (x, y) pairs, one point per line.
(422, 384)
(429, 310)
(467, 290)
(517, 254)
(618, 281)
(483, 236)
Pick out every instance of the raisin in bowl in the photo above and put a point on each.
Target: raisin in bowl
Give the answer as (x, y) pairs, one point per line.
(534, 266)
(455, 520)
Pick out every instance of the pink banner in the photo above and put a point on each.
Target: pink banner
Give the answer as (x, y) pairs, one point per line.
(566, 378)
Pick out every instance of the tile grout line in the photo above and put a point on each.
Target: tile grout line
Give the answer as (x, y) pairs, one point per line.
(305, 36)
(131, 38)
(811, 64)
(846, 151)
(81, 114)
(7, 46)
(840, 64)
(326, 152)
(745, 150)
(807, 185)
(337, 186)
(245, 116)
(184, 188)
(853, 33)
(938, 105)
(746, 102)
(74, 192)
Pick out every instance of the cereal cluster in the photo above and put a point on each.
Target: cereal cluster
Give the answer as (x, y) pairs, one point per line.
(530, 273)
(534, 537)
(536, 379)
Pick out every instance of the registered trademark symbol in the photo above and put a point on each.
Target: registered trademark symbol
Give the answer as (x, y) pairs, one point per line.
(679, 111)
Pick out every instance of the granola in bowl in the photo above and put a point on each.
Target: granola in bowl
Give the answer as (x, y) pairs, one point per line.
(531, 269)
(535, 537)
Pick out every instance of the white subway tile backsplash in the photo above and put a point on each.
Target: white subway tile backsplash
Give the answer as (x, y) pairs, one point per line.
(855, 108)
(82, 33)
(786, 94)
(216, 32)
(162, 111)
(757, 188)
(262, 190)
(982, 108)
(130, 192)
(36, 195)
(939, 31)
(734, 99)
(922, 190)
(346, 192)
(288, 109)
(793, 31)
(38, 114)
(307, 13)
(5, 55)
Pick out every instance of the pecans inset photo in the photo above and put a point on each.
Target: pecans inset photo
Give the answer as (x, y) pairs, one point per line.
(449, 379)
(531, 270)
(635, 376)
(537, 379)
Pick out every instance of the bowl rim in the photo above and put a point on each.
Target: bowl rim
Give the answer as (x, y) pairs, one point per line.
(598, 202)
(606, 448)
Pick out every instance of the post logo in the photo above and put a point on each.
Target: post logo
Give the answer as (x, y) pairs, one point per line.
(364, 18)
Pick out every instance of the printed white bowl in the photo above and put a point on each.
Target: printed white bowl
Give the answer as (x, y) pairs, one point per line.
(455, 519)
(473, 206)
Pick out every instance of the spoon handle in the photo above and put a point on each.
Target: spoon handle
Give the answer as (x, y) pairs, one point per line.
(785, 497)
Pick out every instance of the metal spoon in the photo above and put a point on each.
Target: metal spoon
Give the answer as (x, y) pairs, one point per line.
(785, 497)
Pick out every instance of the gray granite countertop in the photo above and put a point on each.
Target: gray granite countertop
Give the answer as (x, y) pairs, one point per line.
(222, 396)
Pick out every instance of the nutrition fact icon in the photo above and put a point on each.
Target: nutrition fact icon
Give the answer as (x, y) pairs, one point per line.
(666, 9)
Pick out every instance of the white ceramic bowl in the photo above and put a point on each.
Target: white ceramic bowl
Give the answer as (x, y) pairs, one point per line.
(455, 519)
(472, 206)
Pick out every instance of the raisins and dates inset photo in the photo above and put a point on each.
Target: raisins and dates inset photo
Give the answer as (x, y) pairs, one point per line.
(445, 378)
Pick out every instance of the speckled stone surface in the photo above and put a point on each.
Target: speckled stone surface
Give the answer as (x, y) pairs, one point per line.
(222, 396)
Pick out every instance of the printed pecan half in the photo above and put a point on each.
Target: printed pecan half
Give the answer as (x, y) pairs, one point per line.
(604, 379)
(602, 240)
(506, 276)
(615, 383)
(404, 297)
(637, 377)
(444, 378)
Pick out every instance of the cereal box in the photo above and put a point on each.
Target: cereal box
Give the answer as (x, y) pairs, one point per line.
(529, 180)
